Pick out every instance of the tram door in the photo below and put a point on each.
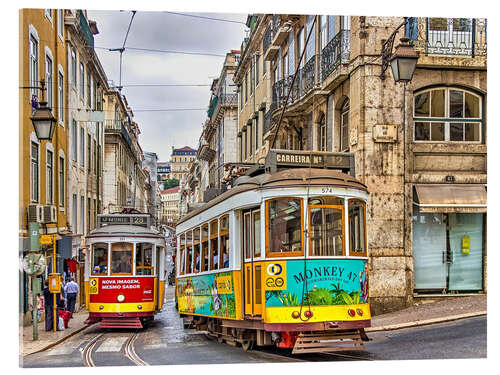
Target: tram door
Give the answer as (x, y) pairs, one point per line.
(253, 270)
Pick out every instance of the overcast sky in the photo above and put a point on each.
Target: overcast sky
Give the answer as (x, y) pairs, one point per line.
(160, 130)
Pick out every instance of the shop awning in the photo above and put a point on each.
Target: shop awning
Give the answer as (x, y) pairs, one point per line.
(451, 198)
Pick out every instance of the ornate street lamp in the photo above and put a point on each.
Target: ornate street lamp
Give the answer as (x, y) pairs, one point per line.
(404, 61)
(43, 120)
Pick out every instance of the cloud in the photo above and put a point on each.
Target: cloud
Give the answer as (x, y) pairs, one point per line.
(165, 31)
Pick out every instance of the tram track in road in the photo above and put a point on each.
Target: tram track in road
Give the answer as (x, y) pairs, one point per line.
(316, 357)
(128, 350)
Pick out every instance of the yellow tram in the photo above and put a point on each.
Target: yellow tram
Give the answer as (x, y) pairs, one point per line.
(124, 271)
(280, 258)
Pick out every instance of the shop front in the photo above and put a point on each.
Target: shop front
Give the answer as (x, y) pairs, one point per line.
(449, 242)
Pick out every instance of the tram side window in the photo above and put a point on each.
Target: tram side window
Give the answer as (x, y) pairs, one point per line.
(182, 262)
(189, 252)
(144, 259)
(357, 223)
(224, 242)
(196, 248)
(121, 258)
(214, 245)
(204, 248)
(100, 259)
(326, 230)
(284, 225)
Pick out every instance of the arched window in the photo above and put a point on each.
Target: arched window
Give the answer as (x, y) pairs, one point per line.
(447, 115)
(344, 126)
(322, 133)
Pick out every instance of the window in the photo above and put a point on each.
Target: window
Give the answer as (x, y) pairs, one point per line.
(95, 157)
(121, 258)
(252, 77)
(189, 252)
(33, 50)
(257, 63)
(326, 225)
(447, 114)
(60, 97)
(100, 259)
(89, 152)
(257, 132)
(224, 242)
(256, 234)
(204, 248)
(322, 134)
(74, 132)
(357, 224)
(61, 182)
(144, 259)
(50, 177)
(49, 81)
(284, 227)
(300, 46)
(250, 139)
(311, 44)
(88, 214)
(73, 66)
(48, 14)
(82, 81)
(344, 126)
(75, 213)
(196, 248)
(291, 52)
(34, 172)
(332, 27)
(82, 147)
(60, 23)
(89, 90)
(246, 87)
(82, 214)
(323, 34)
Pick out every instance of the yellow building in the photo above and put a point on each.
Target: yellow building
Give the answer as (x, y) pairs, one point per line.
(42, 164)
(179, 163)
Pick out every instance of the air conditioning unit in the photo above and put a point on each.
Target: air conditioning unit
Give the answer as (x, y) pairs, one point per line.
(35, 213)
(50, 214)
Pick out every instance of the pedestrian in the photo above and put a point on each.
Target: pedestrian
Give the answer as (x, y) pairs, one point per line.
(71, 289)
(49, 306)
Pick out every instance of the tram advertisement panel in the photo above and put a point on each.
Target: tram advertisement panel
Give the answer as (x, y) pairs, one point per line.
(211, 295)
(329, 282)
(135, 289)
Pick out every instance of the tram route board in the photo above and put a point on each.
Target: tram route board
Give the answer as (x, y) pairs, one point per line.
(139, 220)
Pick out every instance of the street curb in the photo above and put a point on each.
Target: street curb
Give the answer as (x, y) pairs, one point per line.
(419, 323)
(60, 340)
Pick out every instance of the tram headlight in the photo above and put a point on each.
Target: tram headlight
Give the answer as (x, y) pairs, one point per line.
(120, 298)
(139, 307)
(101, 307)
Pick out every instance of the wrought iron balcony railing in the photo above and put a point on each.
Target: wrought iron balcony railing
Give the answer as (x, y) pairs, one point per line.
(448, 36)
(268, 37)
(309, 74)
(336, 52)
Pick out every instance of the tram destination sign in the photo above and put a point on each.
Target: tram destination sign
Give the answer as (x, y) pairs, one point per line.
(302, 159)
(118, 219)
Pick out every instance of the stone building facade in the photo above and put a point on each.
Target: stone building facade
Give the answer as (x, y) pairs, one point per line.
(420, 149)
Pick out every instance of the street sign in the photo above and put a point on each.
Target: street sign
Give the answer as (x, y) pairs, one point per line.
(46, 239)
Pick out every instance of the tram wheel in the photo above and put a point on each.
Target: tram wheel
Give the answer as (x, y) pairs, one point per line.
(247, 345)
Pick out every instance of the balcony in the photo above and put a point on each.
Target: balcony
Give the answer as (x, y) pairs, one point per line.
(275, 36)
(335, 53)
(85, 29)
(452, 37)
(224, 101)
(205, 152)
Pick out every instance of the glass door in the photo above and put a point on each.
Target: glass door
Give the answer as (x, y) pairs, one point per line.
(466, 247)
(429, 250)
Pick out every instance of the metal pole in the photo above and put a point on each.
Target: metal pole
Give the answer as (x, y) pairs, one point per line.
(54, 317)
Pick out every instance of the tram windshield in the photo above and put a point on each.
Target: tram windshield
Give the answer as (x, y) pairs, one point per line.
(121, 258)
(144, 259)
(326, 234)
(284, 226)
(100, 259)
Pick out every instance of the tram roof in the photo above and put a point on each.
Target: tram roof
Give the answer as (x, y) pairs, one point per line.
(123, 231)
(283, 179)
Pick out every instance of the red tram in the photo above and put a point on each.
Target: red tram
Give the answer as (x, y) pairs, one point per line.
(124, 272)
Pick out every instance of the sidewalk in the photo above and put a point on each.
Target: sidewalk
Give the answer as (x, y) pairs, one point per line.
(47, 339)
(428, 312)
(423, 313)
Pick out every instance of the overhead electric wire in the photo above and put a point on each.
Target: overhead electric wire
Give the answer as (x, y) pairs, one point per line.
(163, 51)
(207, 18)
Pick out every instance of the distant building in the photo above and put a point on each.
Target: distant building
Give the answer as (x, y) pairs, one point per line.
(150, 163)
(179, 163)
(170, 205)
(163, 171)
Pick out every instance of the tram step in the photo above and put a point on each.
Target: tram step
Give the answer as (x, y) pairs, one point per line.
(120, 323)
(327, 342)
